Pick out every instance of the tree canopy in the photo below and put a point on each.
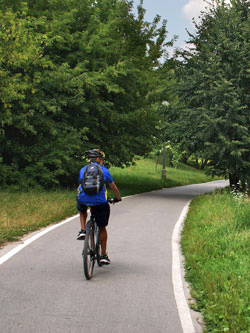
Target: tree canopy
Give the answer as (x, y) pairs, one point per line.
(213, 119)
(75, 75)
(81, 74)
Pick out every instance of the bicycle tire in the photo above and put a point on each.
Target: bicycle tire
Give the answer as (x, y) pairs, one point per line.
(98, 247)
(88, 254)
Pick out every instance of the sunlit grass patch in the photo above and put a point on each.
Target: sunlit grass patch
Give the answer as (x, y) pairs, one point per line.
(22, 212)
(144, 177)
(216, 245)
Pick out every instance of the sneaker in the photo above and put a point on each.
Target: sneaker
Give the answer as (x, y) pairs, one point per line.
(105, 260)
(81, 235)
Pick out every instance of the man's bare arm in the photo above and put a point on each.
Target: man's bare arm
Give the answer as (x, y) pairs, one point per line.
(115, 191)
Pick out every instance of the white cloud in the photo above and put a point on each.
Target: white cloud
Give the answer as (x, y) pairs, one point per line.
(193, 8)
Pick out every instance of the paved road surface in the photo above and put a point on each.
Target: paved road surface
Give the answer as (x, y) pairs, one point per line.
(43, 289)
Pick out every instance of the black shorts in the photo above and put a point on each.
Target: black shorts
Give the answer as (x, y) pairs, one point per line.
(101, 213)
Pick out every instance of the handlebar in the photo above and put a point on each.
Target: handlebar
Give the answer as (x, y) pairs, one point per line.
(113, 201)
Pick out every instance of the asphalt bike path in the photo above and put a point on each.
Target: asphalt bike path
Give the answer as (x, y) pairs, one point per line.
(43, 288)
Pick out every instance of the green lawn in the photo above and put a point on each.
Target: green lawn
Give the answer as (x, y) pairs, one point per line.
(143, 178)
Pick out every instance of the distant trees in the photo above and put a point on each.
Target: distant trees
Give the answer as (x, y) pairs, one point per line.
(75, 74)
(212, 120)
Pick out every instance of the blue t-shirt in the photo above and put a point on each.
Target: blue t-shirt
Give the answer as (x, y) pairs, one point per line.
(101, 197)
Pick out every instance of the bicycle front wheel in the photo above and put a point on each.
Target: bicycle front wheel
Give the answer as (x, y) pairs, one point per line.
(88, 254)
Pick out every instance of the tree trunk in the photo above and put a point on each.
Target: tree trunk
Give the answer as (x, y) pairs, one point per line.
(156, 163)
(234, 182)
(203, 163)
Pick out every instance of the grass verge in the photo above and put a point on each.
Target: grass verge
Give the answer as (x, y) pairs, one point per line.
(216, 246)
(22, 212)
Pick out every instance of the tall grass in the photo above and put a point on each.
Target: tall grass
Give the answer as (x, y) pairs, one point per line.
(216, 245)
(21, 212)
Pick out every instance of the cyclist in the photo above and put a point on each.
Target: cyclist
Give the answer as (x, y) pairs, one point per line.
(98, 202)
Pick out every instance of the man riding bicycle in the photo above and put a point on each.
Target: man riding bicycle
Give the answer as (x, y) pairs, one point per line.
(98, 202)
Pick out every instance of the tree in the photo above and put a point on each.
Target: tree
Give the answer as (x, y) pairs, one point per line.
(213, 117)
(86, 78)
(33, 143)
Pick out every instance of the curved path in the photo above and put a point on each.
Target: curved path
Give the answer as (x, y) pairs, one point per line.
(43, 289)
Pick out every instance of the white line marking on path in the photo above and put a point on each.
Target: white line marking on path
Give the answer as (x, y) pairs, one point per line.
(182, 306)
(19, 247)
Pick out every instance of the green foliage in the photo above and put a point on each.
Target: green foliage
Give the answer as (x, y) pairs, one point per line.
(75, 75)
(36, 98)
(212, 120)
(215, 243)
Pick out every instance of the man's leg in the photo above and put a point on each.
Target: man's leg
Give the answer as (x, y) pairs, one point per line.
(83, 218)
(103, 239)
(102, 217)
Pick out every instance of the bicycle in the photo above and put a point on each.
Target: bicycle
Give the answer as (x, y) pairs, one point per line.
(92, 248)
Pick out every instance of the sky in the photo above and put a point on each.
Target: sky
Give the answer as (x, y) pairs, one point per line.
(178, 13)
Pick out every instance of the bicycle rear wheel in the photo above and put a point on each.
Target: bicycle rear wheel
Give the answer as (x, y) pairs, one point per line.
(98, 246)
(88, 254)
